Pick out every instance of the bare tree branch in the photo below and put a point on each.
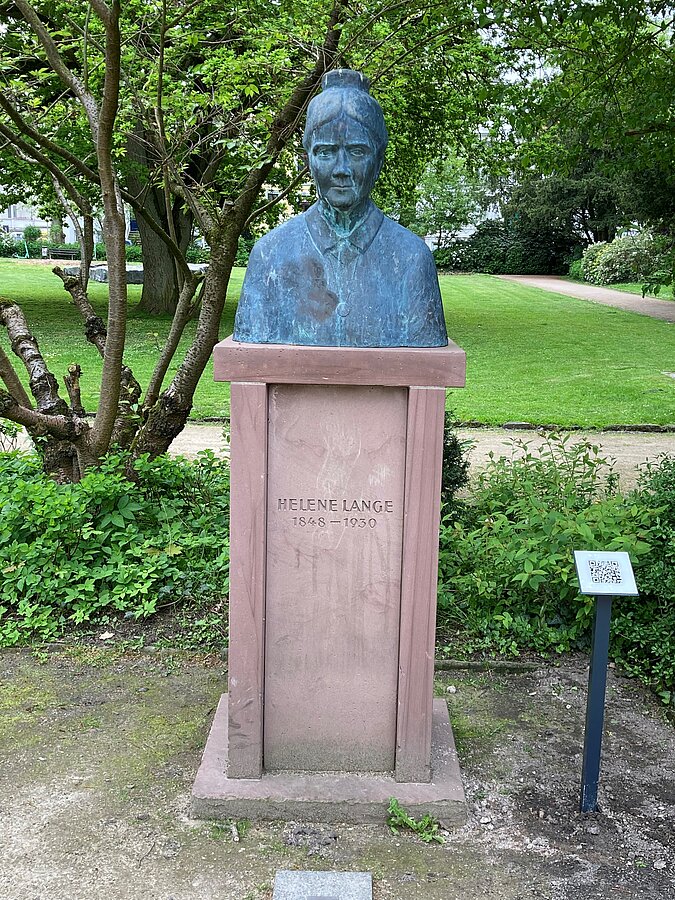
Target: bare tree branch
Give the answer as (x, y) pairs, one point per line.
(12, 382)
(102, 11)
(43, 385)
(72, 383)
(184, 311)
(94, 326)
(114, 231)
(60, 426)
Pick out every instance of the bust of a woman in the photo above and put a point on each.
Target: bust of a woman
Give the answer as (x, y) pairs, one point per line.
(342, 274)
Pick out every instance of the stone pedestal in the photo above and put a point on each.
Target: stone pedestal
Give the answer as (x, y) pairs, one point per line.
(335, 499)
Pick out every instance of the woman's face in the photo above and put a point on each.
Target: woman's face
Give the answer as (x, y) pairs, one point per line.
(343, 163)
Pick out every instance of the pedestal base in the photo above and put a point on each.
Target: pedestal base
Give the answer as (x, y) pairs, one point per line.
(331, 798)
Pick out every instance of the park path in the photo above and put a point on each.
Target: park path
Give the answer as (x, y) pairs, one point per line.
(646, 306)
(629, 449)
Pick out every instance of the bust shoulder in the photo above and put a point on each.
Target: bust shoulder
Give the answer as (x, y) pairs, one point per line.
(405, 238)
(282, 238)
(409, 248)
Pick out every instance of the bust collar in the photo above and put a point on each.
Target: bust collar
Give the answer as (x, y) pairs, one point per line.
(325, 238)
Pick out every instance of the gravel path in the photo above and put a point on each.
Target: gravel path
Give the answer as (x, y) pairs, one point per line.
(646, 306)
(629, 449)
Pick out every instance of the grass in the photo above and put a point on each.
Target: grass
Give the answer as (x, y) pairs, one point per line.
(532, 355)
(666, 292)
(633, 287)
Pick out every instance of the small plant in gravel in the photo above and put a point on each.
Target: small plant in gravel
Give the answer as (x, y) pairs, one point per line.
(426, 828)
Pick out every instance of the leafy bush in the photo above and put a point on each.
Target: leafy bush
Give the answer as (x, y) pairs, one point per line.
(507, 248)
(631, 258)
(197, 254)
(455, 474)
(506, 563)
(71, 553)
(8, 435)
(589, 261)
(10, 247)
(576, 270)
(644, 629)
(244, 248)
(132, 252)
(32, 234)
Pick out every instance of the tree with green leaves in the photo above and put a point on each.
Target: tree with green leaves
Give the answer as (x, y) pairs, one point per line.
(200, 105)
(590, 123)
(448, 199)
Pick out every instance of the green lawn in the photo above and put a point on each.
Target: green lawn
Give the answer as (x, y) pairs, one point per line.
(666, 292)
(532, 356)
(633, 287)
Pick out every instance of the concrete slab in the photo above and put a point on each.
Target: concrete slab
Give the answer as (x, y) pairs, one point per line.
(328, 797)
(323, 886)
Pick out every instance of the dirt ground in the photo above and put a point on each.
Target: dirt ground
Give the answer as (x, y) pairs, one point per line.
(99, 746)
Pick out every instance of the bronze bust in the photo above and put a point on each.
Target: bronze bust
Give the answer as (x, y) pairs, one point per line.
(342, 274)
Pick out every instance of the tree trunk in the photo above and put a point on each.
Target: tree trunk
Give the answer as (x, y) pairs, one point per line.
(160, 282)
(56, 233)
(160, 286)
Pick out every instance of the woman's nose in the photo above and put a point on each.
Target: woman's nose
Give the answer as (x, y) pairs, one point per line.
(342, 163)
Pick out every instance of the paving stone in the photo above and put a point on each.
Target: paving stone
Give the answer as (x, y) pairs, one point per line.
(323, 886)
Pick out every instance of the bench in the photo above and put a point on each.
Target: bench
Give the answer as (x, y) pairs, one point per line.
(63, 254)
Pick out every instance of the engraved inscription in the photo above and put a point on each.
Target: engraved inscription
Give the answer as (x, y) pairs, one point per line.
(334, 505)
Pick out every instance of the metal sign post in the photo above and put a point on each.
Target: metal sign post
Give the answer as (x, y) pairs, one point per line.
(602, 575)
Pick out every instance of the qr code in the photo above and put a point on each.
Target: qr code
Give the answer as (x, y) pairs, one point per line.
(606, 571)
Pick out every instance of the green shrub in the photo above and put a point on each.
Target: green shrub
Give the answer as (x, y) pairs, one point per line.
(32, 234)
(76, 552)
(197, 254)
(8, 435)
(506, 560)
(590, 260)
(10, 247)
(634, 257)
(644, 629)
(576, 270)
(455, 474)
(507, 575)
(244, 248)
(132, 252)
(508, 248)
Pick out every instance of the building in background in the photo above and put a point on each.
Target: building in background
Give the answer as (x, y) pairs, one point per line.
(18, 216)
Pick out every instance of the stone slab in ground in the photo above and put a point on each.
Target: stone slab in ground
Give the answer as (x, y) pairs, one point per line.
(99, 747)
(323, 886)
(99, 271)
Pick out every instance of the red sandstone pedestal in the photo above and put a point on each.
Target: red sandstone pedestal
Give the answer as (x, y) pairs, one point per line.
(335, 500)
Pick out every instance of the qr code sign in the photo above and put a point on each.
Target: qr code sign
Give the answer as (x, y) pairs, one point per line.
(607, 571)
